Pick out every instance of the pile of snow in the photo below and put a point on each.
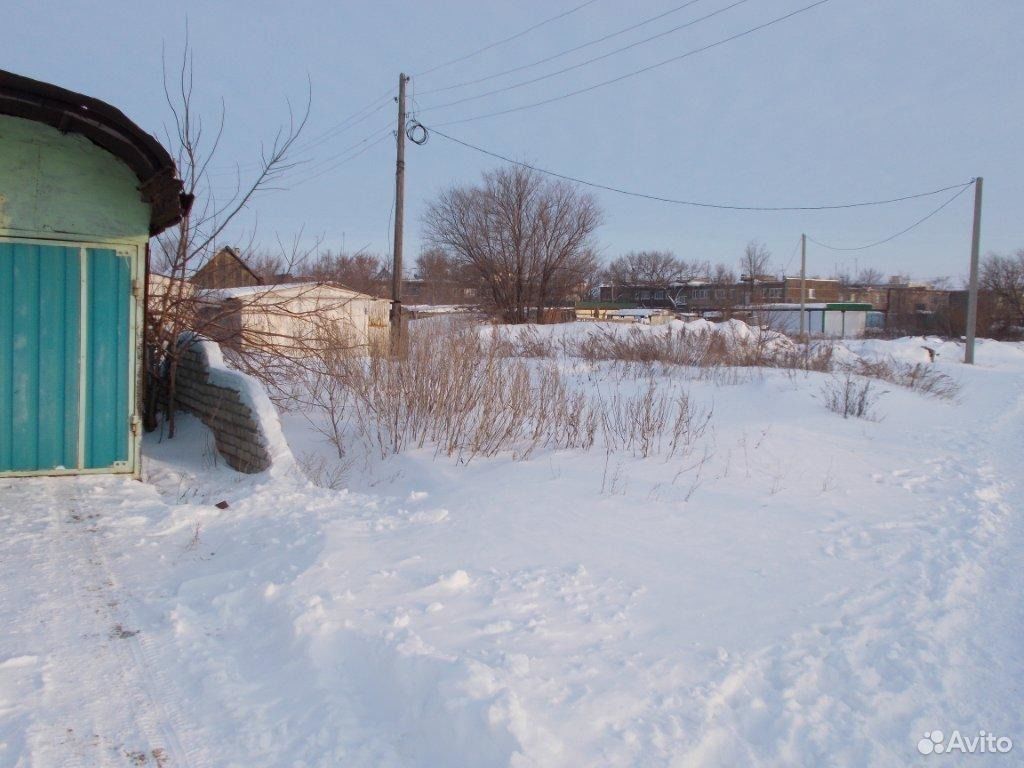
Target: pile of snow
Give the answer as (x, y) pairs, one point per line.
(439, 309)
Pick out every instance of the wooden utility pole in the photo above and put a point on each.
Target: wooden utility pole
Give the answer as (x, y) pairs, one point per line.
(972, 292)
(803, 286)
(396, 268)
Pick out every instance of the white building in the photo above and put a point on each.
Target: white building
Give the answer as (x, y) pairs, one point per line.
(294, 318)
(840, 320)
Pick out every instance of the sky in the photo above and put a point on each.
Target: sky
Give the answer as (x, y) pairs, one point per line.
(853, 100)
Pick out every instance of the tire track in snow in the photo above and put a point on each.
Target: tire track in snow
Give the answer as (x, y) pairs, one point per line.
(117, 673)
(169, 720)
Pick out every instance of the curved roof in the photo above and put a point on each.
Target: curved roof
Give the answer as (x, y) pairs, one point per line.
(108, 128)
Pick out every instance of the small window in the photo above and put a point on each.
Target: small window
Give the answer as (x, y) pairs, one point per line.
(810, 293)
(775, 293)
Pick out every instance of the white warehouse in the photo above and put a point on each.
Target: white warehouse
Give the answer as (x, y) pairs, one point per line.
(294, 318)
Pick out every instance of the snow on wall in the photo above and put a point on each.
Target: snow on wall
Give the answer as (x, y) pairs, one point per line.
(235, 407)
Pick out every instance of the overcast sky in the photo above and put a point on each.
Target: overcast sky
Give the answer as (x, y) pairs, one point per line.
(853, 100)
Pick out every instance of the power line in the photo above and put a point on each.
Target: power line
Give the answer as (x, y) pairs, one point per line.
(592, 60)
(699, 204)
(792, 257)
(344, 160)
(641, 71)
(508, 39)
(338, 128)
(387, 127)
(344, 125)
(566, 52)
(904, 231)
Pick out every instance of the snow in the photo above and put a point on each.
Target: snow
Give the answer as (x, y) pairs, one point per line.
(281, 289)
(801, 590)
(439, 309)
(639, 312)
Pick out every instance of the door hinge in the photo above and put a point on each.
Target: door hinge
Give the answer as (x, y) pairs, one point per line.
(133, 424)
(137, 289)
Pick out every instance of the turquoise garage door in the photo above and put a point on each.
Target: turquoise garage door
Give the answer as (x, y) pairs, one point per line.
(65, 358)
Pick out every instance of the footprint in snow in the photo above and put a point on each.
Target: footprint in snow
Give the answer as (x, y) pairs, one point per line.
(120, 633)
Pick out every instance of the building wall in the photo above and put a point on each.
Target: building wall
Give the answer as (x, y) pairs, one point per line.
(224, 271)
(61, 189)
(300, 323)
(708, 296)
(236, 429)
(62, 185)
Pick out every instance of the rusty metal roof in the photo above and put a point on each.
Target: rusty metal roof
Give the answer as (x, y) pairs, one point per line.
(108, 128)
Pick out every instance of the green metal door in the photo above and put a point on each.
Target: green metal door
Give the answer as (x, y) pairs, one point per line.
(65, 358)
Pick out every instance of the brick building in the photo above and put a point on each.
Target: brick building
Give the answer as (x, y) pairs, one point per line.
(700, 296)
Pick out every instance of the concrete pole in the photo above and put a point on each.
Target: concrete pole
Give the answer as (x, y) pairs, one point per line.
(803, 286)
(396, 267)
(972, 292)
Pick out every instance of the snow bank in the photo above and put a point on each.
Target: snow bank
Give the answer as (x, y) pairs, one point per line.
(254, 396)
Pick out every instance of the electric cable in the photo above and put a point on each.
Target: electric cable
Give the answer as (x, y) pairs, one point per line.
(540, 78)
(640, 71)
(508, 39)
(904, 231)
(700, 204)
(566, 52)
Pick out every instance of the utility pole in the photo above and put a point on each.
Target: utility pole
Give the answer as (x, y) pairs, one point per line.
(972, 292)
(803, 285)
(396, 268)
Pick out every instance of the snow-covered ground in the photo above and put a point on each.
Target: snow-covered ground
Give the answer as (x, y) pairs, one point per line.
(800, 589)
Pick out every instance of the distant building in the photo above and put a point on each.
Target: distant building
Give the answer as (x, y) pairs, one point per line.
(226, 269)
(920, 308)
(707, 297)
(841, 320)
(428, 291)
(293, 319)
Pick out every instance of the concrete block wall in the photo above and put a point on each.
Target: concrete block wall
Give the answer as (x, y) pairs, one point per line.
(237, 430)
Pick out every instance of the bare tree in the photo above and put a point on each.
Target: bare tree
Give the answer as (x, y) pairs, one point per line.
(844, 276)
(864, 277)
(269, 266)
(723, 275)
(445, 279)
(175, 308)
(755, 262)
(870, 276)
(653, 268)
(1003, 277)
(754, 266)
(363, 272)
(526, 238)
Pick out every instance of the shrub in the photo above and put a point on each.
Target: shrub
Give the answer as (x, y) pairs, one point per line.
(918, 376)
(466, 395)
(851, 395)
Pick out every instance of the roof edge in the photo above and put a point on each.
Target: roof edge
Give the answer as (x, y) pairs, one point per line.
(108, 128)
